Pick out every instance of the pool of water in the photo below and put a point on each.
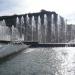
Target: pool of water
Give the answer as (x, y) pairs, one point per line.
(40, 61)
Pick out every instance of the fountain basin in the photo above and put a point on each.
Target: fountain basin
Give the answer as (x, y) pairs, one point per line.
(9, 49)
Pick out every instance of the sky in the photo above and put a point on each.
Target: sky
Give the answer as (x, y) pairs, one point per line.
(65, 8)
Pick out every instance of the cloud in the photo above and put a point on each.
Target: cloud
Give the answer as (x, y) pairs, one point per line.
(8, 7)
(62, 7)
(6, 4)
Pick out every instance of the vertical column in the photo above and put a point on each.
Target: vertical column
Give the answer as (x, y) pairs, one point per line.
(13, 20)
(45, 25)
(39, 29)
(17, 28)
(27, 35)
(42, 28)
(30, 27)
(25, 27)
(59, 29)
(33, 30)
(8, 23)
(72, 32)
(48, 28)
(2, 30)
(52, 29)
(36, 24)
(13, 28)
(69, 28)
(20, 26)
(63, 29)
(56, 28)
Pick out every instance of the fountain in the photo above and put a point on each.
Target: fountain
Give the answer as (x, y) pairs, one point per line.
(45, 25)
(39, 30)
(33, 29)
(4, 31)
(52, 29)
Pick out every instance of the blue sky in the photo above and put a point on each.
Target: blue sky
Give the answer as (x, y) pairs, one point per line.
(65, 8)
